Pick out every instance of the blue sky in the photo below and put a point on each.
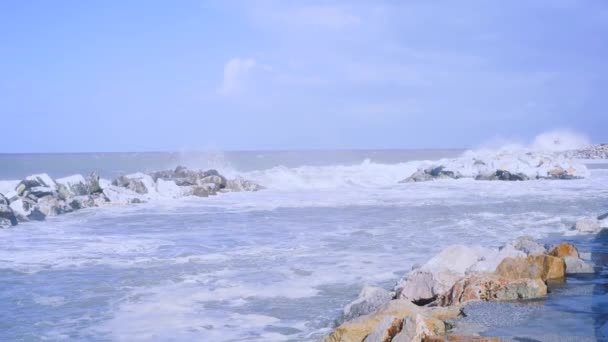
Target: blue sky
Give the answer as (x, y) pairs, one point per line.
(171, 75)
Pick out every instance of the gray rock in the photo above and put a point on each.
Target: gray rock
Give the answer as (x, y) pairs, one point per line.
(203, 190)
(241, 184)
(219, 181)
(576, 265)
(93, 184)
(7, 216)
(602, 217)
(370, 299)
(52, 206)
(505, 175)
(528, 245)
(418, 176)
(135, 182)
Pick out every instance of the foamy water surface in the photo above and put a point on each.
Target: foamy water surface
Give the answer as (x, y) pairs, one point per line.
(275, 265)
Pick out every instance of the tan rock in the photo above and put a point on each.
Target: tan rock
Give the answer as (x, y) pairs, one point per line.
(564, 249)
(417, 327)
(492, 287)
(385, 330)
(534, 266)
(359, 328)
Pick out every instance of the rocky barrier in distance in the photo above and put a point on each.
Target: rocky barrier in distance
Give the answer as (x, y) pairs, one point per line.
(502, 166)
(427, 301)
(39, 196)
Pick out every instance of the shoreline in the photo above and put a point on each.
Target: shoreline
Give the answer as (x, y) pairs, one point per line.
(478, 303)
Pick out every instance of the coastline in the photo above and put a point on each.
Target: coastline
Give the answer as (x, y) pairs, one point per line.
(510, 309)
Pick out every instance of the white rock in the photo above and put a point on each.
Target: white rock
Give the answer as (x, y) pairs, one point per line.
(370, 299)
(528, 245)
(43, 179)
(575, 265)
(494, 257)
(76, 185)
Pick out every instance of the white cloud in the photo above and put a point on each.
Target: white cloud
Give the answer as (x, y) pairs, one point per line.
(234, 72)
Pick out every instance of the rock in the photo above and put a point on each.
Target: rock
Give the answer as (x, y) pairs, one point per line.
(93, 184)
(88, 201)
(418, 176)
(532, 267)
(602, 217)
(528, 245)
(52, 206)
(458, 338)
(588, 225)
(439, 274)
(168, 188)
(564, 249)
(137, 182)
(489, 287)
(7, 216)
(385, 330)
(75, 185)
(490, 260)
(203, 191)
(241, 184)
(505, 175)
(41, 191)
(417, 327)
(370, 299)
(360, 328)
(18, 207)
(576, 265)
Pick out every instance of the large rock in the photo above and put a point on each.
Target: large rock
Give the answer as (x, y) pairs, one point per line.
(52, 206)
(358, 329)
(7, 216)
(532, 267)
(416, 328)
(563, 250)
(528, 245)
(493, 257)
(370, 299)
(137, 182)
(75, 185)
(439, 274)
(576, 265)
(489, 287)
(385, 330)
(241, 184)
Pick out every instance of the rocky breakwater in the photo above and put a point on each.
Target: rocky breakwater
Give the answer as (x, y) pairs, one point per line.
(503, 166)
(39, 196)
(425, 305)
(592, 152)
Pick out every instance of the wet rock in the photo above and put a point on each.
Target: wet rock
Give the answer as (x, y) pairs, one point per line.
(602, 217)
(71, 186)
(576, 265)
(505, 175)
(137, 182)
(370, 299)
(203, 191)
(385, 330)
(492, 258)
(564, 249)
(489, 287)
(528, 245)
(418, 176)
(7, 216)
(51, 206)
(241, 184)
(532, 267)
(93, 184)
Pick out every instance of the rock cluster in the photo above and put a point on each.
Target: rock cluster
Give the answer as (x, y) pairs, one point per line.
(39, 196)
(592, 152)
(503, 166)
(437, 290)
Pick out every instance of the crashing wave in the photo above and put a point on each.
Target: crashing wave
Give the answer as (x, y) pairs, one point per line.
(39, 196)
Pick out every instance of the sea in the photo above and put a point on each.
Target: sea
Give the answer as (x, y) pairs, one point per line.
(273, 265)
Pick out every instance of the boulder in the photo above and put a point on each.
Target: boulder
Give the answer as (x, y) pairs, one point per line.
(416, 328)
(564, 249)
(489, 287)
(532, 267)
(7, 216)
(19, 209)
(93, 184)
(241, 184)
(439, 274)
(528, 245)
(359, 328)
(88, 201)
(203, 190)
(418, 176)
(588, 225)
(51, 206)
(385, 330)
(40, 191)
(602, 217)
(75, 185)
(137, 182)
(575, 265)
(490, 260)
(505, 175)
(370, 299)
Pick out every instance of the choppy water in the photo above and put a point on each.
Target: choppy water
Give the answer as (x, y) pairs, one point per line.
(275, 265)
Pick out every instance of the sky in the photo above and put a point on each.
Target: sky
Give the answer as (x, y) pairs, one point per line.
(78, 76)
